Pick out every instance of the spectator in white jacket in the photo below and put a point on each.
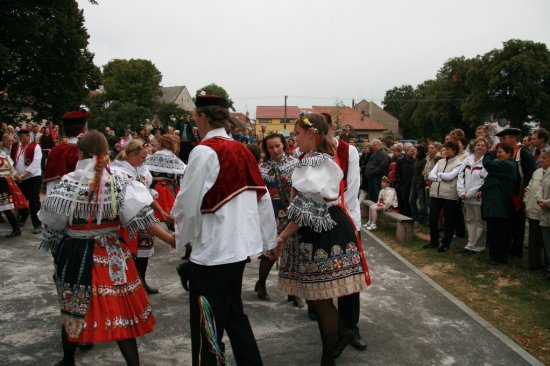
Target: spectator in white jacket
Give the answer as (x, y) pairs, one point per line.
(471, 178)
(535, 257)
(387, 200)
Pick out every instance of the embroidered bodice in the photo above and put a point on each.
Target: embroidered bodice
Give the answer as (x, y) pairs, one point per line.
(317, 179)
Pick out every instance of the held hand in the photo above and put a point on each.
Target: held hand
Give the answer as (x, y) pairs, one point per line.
(172, 241)
(463, 196)
(479, 195)
(542, 204)
(276, 252)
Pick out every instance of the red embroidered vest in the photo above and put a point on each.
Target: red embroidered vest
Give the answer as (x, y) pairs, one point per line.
(342, 151)
(61, 160)
(239, 172)
(29, 152)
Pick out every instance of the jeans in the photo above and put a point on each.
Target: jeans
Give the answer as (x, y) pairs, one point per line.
(418, 203)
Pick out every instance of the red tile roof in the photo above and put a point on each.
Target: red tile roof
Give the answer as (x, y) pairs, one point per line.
(240, 116)
(349, 116)
(277, 112)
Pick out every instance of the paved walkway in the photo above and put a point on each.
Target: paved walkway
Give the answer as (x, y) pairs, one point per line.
(405, 317)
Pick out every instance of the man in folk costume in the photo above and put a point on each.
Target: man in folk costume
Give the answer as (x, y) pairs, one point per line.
(63, 158)
(348, 158)
(224, 209)
(526, 167)
(26, 156)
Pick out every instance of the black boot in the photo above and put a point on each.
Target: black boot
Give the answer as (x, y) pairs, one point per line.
(15, 230)
(141, 266)
(187, 254)
(261, 291)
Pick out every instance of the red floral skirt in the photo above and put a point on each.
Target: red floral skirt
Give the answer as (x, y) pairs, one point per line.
(105, 311)
(167, 191)
(19, 200)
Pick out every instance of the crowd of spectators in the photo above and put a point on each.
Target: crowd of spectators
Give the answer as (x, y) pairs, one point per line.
(477, 188)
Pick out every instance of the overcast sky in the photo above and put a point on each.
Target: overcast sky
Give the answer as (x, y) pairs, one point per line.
(314, 51)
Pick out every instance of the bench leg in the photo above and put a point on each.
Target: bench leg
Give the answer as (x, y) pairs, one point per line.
(404, 233)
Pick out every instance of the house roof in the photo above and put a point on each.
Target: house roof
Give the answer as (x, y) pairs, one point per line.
(241, 117)
(170, 93)
(349, 116)
(277, 112)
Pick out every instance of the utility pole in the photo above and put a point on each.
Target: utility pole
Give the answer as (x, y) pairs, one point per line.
(284, 120)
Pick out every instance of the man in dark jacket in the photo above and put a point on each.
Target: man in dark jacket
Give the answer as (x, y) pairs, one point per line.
(526, 166)
(375, 170)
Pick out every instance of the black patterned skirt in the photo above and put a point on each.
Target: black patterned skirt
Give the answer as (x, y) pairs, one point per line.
(324, 265)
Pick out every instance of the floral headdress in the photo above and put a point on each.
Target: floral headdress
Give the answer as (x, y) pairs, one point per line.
(307, 122)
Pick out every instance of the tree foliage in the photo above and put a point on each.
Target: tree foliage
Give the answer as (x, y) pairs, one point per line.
(134, 81)
(512, 82)
(131, 94)
(44, 61)
(217, 90)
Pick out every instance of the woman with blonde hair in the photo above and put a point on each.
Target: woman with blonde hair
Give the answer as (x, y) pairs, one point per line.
(131, 162)
(101, 296)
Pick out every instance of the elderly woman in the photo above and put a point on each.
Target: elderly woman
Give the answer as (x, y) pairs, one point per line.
(543, 200)
(497, 204)
(470, 180)
(444, 196)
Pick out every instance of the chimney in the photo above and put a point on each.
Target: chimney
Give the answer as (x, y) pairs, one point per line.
(353, 103)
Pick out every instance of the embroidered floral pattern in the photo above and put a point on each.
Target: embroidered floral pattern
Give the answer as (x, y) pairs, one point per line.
(165, 161)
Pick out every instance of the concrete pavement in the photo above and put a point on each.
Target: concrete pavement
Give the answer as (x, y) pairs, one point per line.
(405, 317)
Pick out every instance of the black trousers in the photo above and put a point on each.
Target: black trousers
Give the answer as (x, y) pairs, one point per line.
(498, 238)
(517, 225)
(450, 208)
(349, 309)
(221, 286)
(535, 258)
(31, 189)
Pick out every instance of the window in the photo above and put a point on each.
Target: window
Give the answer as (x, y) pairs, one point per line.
(265, 120)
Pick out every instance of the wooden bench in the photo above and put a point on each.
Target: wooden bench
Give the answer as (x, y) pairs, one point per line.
(404, 232)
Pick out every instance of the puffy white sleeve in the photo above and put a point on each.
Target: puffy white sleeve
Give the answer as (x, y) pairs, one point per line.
(323, 179)
(268, 226)
(136, 212)
(200, 175)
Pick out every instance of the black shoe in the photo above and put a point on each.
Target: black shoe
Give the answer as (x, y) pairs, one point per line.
(429, 245)
(443, 248)
(312, 315)
(262, 292)
(150, 290)
(85, 346)
(183, 272)
(248, 260)
(296, 301)
(358, 343)
(343, 340)
(14, 233)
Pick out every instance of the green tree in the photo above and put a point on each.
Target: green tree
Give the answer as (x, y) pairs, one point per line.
(44, 61)
(394, 103)
(217, 90)
(169, 112)
(134, 81)
(512, 82)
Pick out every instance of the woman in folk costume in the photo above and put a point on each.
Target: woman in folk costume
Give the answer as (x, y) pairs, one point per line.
(167, 170)
(10, 195)
(131, 162)
(276, 170)
(101, 296)
(322, 256)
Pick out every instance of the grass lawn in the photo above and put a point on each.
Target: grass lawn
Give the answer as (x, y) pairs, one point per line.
(511, 298)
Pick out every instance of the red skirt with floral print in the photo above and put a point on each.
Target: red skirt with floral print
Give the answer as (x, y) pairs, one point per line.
(113, 312)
